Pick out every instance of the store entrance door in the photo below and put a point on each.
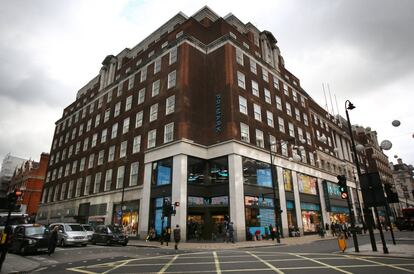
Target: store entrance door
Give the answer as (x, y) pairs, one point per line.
(206, 224)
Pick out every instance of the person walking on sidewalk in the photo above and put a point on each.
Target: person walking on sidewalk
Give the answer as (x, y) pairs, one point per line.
(53, 240)
(177, 236)
(272, 232)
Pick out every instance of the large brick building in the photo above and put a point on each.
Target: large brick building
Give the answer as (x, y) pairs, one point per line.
(191, 114)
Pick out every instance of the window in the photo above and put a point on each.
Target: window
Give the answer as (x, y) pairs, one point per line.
(141, 96)
(74, 167)
(108, 180)
(153, 112)
(94, 138)
(244, 132)
(152, 135)
(297, 114)
(302, 101)
(168, 132)
(103, 135)
(143, 74)
(97, 184)
(82, 164)
(285, 89)
(265, 75)
(272, 143)
(125, 128)
(60, 172)
(253, 67)
(73, 134)
(97, 120)
(257, 112)
(291, 130)
(133, 179)
(170, 105)
(239, 56)
(63, 192)
(84, 112)
(295, 95)
(91, 160)
(120, 87)
(114, 131)
(136, 145)
(288, 109)
(255, 88)
(269, 116)
(77, 149)
(91, 108)
(281, 124)
(70, 190)
(300, 134)
(80, 132)
(305, 119)
(276, 83)
(128, 103)
(120, 177)
(117, 109)
(278, 103)
(155, 88)
(122, 151)
(138, 119)
(101, 157)
(100, 102)
(109, 96)
(107, 113)
(311, 158)
(259, 138)
(55, 196)
(111, 153)
(284, 149)
(173, 56)
(157, 65)
(131, 81)
(172, 79)
(268, 99)
(241, 80)
(87, 185)
(85, 144)
(243, 105)
(70, 151)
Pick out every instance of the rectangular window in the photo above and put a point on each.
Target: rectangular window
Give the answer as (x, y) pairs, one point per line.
(265, 75)
(281, 124)
(117, 109)
(85, 144)
(82, 164)
(272, 143)
(257, 112)
(80, 132)
(138, 119)
(241, 80)
(170, 105)
(120, 177)
(97, 183)
(155, 88)
(168, 132)
(284, 148)
(276, 83)
(109, 96)
(125, 128)
(78, 187)
(239, 56)
(94, 138)
(153, 112)
(288, 109)
(243, 105)
(253, 67)
(114, 131)
(122, 151)
(270, 121)
(63, 192)
(120, 87)
(291, 130)
(173, 56)
(141, 96)
(100, 102)
(70, 190)
(171, 79)
(259, 138)
(128, 103)
(87, 185)
(101, 157)
(67, 169)
(107, 113)
(305, 119)
(133, 179)
(311, 158)
(91, 160)
(74, 166)
(84, 112)
(111, 153)
(143, 74)
(268, 98)
(297, 114)
(103, 135)
(278, 102)
(131, 81)
(255, 88)
(97, 120)
(108, 180)
(244, 132)
(152, 135)
(91, 108)
(136, 146)
(73, 134)
(157, 65)
(300, 135)
(285, 89)
(77, 149)
(302, 101)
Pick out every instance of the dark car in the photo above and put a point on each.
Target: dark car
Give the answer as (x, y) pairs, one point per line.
(29, 238)
(109, 234)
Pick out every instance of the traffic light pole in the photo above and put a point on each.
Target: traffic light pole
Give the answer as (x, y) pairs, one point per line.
(352, 216)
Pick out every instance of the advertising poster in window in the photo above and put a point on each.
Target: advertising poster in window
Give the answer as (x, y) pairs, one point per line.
(307, 184)
(264, 177)
(287, 179)
(333, 190)
(164, 175)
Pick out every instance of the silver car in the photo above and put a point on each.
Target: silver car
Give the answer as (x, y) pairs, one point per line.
(89, 230)
(70, 234)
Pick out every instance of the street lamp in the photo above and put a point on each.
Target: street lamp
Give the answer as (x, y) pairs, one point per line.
(350, 106)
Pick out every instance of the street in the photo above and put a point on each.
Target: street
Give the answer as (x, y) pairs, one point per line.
(320, 256)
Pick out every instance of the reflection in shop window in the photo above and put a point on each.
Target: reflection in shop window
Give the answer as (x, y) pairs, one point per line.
(213, 171)
(287, 179)
(307, 184)
(259, 216)
(162, 172)
(311, 217)
(158, 202)
(257, 173)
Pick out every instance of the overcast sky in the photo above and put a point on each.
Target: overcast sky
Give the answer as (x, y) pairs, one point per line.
(363, 49)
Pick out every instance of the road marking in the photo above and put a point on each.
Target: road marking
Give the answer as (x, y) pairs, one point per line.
(319, 262)
(40, 269)
(166, 266)
(266, 263)
(382, 264)
(216, 262)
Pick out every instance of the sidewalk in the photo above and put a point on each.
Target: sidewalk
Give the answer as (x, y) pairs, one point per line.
(18, 264)
(399, 250)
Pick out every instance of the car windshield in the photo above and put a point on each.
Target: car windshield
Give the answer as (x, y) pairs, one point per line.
(115, 229)
(35, 230)
(87, 227)
(74, 228)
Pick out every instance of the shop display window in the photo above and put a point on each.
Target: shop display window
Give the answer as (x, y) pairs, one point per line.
(129, 217)
(162, 172)
(257, 172)
(213, 171)
(287, 179)
(307, 184)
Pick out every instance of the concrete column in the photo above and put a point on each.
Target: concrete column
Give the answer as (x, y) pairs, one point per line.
(109, 212)
(325, 214)
(236, 199)
(282, 199)
(297, 200)
(179, 193)
(144, 206)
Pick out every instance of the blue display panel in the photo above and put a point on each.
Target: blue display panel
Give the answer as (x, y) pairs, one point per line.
(264, 177)
(163, 175)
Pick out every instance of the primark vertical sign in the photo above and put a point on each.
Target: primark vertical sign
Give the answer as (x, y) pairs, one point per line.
(218, 114)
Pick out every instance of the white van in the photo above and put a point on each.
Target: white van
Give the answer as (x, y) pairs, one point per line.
(70, 234)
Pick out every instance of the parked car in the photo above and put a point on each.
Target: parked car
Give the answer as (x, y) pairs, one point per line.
(109, 234)
(89, 230)
(29, 238)
(70, 234)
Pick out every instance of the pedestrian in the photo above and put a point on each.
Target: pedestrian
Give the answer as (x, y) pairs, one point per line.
(167, 235)
(53, 239)
(364, 227)
(333, 229)
(272, 232)
(177, 236)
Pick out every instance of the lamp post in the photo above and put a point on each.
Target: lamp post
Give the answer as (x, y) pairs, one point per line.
(350, 106)
(276, 205)
(124, 160)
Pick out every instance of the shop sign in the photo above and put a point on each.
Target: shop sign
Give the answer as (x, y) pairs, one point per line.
(310, 207)
(218, 114)
(338, 209)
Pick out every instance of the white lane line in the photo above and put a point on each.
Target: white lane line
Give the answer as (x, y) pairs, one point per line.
(379, 263)
(266, 263)
(167, 265)
(217, 263)
(319, 262)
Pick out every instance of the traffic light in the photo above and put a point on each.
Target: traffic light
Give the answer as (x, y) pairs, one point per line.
(342, 186)
(13, 197)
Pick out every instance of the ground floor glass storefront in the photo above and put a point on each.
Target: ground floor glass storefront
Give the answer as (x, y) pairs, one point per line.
(128, 217)
(311, 217)
(339, 215)
(260, 215)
